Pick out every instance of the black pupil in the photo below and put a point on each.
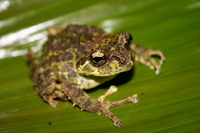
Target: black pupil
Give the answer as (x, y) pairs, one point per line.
(97, 59)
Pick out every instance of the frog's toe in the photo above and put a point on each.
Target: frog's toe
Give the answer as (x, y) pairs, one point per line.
(53, 31)
(118, 123)
(53, 104)
(135, 98)
(147, 57)
(156, 64)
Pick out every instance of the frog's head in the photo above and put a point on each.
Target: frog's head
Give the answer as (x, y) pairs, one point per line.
(106, 55)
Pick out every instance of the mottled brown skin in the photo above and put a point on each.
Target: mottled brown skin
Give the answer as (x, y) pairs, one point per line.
(83, 57)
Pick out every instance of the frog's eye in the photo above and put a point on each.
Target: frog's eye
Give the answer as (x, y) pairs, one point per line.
(130, 37)
(98, 58)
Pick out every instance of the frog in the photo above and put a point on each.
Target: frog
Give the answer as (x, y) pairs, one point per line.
(82, 57)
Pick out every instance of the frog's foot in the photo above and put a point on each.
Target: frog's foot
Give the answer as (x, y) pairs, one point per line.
(53, 103)
(146, 57)
(107, 104)
(53, 31)
(50, 99)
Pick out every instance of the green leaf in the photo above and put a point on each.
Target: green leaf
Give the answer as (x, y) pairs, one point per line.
(170, 102)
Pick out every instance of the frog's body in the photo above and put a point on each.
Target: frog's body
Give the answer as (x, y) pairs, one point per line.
(83, 57)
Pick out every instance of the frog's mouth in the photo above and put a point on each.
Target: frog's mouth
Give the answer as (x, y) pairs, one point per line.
(107, 69)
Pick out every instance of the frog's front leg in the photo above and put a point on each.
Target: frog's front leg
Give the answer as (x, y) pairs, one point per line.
(98, 106)
(43, 80)
(112, 89)
(145, 56)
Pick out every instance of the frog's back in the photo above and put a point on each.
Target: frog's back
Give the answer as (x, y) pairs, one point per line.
(71, 38)
(67, 43)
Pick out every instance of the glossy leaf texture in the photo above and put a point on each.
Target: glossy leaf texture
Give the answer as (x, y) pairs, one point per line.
(170, 102)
